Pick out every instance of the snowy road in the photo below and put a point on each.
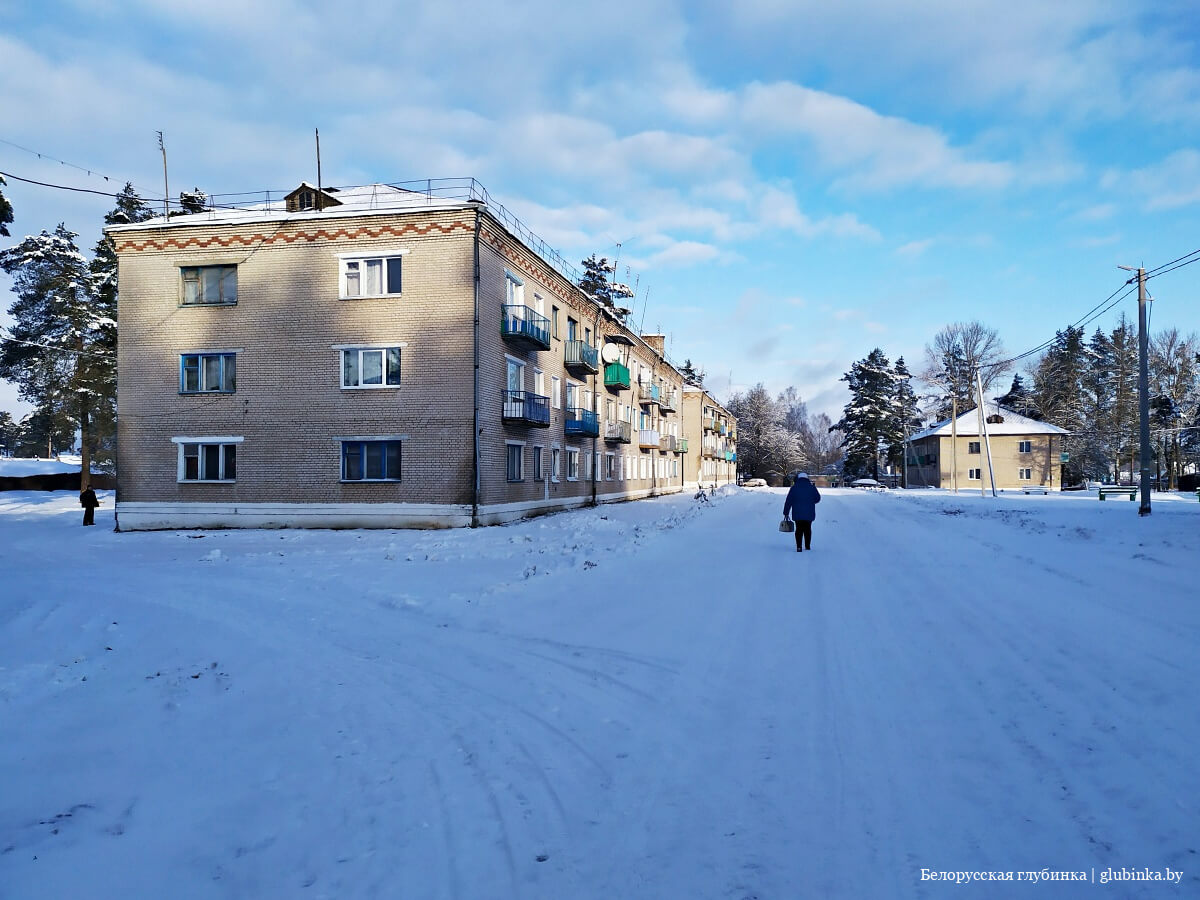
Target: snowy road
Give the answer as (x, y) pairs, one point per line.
(645, 700)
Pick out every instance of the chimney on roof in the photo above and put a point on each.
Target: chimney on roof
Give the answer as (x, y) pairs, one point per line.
(658, 342)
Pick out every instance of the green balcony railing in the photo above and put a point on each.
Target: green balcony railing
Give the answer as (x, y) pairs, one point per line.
(682, 446)
(616, 375)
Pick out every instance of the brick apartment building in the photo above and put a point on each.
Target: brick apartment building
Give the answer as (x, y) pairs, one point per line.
(376, 357)
(712, 457)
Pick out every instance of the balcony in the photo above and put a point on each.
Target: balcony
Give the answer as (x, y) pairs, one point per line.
(525, 327)
(526, 408)
(616, 377)
(667, 443)
(710, 424)
(669, 401)
(682, 446)
(619, 432)
(648, 393)
(582, 422)
(579, 357)
(722, 428)
(648, 439)
(728, 456)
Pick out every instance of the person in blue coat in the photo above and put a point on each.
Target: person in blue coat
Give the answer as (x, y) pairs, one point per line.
(801, 505)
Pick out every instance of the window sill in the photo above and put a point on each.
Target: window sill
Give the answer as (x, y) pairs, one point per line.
(369, 480)
(372, 297)
(205, 481)
(371, 387)
(206, 393)
(195, 305)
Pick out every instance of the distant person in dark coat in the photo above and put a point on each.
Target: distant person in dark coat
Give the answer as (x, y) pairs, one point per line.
(89, 502)
(801, 504)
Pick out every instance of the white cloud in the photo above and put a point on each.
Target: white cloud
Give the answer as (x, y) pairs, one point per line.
(913, 249)
(1170, 184)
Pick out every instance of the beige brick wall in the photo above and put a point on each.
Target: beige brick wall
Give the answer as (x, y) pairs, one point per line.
(289, 404)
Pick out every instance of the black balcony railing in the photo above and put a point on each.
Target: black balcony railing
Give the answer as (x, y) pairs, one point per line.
(525, 326)
(582, 422)
(578, 355)
(522, 406)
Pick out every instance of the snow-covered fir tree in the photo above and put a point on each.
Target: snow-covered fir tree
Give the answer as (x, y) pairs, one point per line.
(871, 422)
(6, 210)
(60, 339)
(1174, 374)
(908, 416)
(691, 375)
(1059, 389)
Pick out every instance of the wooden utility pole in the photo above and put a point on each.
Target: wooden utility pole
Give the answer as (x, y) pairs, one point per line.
(166, 190)
(954, 444)
(1143, 387)
(987, 442)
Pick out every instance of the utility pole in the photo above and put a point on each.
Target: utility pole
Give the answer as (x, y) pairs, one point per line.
(1143, 387)
(954, 443)
(979, 417)
(987, 441)
(166, 190)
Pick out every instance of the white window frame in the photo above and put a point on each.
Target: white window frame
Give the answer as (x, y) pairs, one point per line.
(572, 464)
(1024, 446)
(555, 462)
(539, 381)
(514, 289)
(973, 447)
(508, 445)
(610, 465)
(182, 442)
(510, 361)
(556, 392)
(344, 260)
(343, 349)
(1025, 474)
(974, 474)
(539, 462)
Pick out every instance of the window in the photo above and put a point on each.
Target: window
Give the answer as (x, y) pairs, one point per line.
(587, 466)
(515, 374)
(515, 460)
(572, 329)
(1024, 446)
(1025, 474)
(572, 464)
(364, 367)
(305, 200)
(207, 372)
(514, 290)
(555, 395)
(207, 459)
(973, 474)
(209, 285)
(554, 320)
(370, 276)
(572, 396)
(609, 466)
(587, 336)
(539, 383)
(371, 460)
(555, 455)
(538, 474)
(973, 446)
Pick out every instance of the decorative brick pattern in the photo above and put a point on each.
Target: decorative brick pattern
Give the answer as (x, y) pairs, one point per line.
(321, 234)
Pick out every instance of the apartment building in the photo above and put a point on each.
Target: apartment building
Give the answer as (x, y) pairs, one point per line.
(1023, 452)
(712, 456)
(376, 357)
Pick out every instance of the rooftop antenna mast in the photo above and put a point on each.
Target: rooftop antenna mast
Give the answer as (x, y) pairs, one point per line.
(166, 190)
(318, 136)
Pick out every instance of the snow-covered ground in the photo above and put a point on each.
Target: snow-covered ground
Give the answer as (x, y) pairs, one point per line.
(19, 467)
(646, 700)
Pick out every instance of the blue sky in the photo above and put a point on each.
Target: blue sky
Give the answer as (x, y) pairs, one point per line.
(793, 183)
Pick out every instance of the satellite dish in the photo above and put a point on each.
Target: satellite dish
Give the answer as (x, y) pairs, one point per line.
(610, 353)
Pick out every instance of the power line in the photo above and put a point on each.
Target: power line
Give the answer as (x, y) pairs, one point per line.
(62, 187)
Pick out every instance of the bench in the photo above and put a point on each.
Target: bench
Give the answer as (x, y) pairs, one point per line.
(1035, 489)
(1130, 492)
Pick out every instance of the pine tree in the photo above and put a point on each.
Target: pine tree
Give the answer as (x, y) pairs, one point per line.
(1019, 399)
(1123, 408)
(6, 210)
(691, 375)
(908, 417)
(193, 201)
(1058, 386)
(870, 421)
(100, 371)
(8, 433)
(58, 333)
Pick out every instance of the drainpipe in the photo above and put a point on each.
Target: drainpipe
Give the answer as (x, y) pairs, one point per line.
(475, 386)
(596, 405)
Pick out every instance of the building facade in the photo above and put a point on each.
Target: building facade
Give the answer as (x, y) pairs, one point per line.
(712, 454)
(1023, 453)
(375, 357)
